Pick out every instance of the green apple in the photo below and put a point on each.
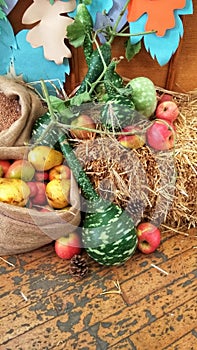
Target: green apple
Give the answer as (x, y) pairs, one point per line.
(20, 169)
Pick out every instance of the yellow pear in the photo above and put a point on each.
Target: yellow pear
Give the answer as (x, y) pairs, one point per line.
(14, 191)
(44, 158)
(58, 193)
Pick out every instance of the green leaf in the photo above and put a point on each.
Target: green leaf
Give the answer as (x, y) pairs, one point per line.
(76, 33)
(132, 50)
(79, 99)
(51, 2)
(59, 107)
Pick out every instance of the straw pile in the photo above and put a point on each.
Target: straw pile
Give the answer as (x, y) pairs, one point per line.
(157, 186)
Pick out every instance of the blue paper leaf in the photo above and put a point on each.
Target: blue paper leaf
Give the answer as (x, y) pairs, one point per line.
(10, 5)
(103, 20)
(31, 63)
(7, 41)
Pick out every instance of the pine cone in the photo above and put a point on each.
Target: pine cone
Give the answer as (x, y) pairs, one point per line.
(136, 209)
(78, 266)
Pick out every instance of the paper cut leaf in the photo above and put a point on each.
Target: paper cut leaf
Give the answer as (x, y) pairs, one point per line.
(9, 6)
(160, 13)
(7, 41)
(104, 20)
(161, 47)
(50, 32)
(32, 64)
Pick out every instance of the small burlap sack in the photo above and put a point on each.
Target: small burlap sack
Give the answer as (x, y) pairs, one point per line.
(23, 229)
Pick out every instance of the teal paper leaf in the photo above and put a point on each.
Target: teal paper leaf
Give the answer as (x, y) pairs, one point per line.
(161, 48)
(31, 63)
(7, 42)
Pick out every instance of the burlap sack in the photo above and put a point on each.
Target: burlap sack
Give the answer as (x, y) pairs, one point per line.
(23, 229)
(31, 108)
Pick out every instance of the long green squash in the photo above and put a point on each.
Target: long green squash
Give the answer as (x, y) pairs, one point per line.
(108, 232)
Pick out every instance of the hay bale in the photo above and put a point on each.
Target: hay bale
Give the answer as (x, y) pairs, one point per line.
(156, 186)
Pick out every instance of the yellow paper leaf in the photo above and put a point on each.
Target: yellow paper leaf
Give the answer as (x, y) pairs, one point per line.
(50, 32)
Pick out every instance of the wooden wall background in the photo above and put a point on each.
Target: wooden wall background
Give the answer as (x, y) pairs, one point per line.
(180, 74)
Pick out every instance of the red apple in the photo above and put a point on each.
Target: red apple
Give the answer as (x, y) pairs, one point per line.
(149, 237)
(59, 172)
(67, 247)
(167, 110)
(136, 140)
(83, 121)
(40, 197)
(20, 169)
(160, 136)
(41, 176)
(164, 97)
(5, 164)
(33, 188)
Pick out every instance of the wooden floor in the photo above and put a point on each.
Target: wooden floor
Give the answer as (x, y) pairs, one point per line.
(43, 307)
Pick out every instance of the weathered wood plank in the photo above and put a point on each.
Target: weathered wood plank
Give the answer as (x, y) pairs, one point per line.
(122, 345)
(49, 274)
(187, 342)
(164, 331)
(70, 326)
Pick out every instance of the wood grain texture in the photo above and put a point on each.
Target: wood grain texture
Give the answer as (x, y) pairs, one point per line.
(43, 307)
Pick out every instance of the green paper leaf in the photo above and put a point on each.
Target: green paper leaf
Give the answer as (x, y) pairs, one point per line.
(132, 50)
(76, 33)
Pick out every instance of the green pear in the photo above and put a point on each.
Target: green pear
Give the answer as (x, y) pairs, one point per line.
(44, 158)
(20, 169)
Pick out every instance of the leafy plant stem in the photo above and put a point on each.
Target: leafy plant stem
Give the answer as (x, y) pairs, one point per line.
(46, 94)
(114, 33)
(130, 34)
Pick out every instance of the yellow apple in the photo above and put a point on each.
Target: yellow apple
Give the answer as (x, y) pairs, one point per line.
(58, 193)
(59, 172)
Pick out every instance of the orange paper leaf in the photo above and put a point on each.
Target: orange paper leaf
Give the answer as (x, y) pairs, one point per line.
(50, 32)
(160, 13)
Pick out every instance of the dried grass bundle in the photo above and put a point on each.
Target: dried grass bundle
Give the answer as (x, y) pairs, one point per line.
(158, 186)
